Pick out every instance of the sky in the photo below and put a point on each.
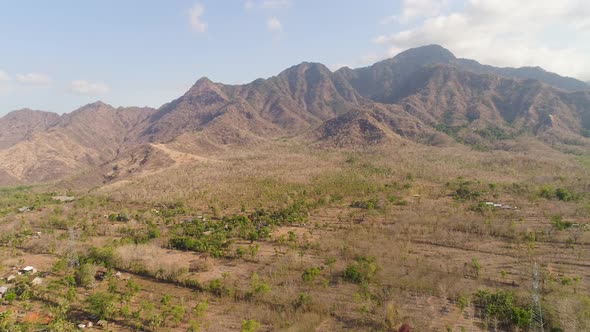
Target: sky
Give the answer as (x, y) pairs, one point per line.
(59, 55)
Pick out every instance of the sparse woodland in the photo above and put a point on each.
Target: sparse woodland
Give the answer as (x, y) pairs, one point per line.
(417, 194)
(286, 237)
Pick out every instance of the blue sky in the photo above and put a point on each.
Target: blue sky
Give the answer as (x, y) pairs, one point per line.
(58, 55)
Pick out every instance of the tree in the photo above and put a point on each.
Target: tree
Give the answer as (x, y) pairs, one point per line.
(101, 304)
(85, 275)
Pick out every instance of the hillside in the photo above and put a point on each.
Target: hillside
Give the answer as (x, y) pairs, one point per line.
(16, 126)
(425, 95)
(357, 200)
(89, 136)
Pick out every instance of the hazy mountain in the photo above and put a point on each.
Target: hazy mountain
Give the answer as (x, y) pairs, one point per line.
(18, 125)
(425, 94)
(536, 73)
(86, 137)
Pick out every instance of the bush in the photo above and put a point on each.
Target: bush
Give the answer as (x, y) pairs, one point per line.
(564, 195)
(250, 325)
(559, 224)
(102, 256)
(501, 306)
(463, 190)
(362, 270)
(310, 274)
(85, 275)
(303, 302)
(561, 194)
(101, 304)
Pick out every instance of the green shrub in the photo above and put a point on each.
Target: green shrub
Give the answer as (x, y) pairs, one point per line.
(303, 302)
(559, 224)
(502, 306)
(464, 190)
(250, 325)
(564, 195)
(101, 304)
(310, 274)
(85, 275)
(362, 270)
(561, 194)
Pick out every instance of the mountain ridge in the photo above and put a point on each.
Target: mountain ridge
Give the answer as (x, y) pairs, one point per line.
(426, 95)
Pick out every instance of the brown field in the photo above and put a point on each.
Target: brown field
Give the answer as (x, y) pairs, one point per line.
(412, 211)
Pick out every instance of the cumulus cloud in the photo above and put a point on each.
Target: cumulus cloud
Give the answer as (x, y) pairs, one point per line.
(33, 79)
(195, 16)
(88, 88)
(547, 33)
(273, 24)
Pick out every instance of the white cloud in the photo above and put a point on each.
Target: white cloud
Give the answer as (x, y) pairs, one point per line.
(195, 16)
(33, 79)
(4, 76)
(273, 24)
(413, 9)
(546, 33)
(88, 88)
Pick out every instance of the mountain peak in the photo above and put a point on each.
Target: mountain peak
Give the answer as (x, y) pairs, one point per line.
(26, 112)
(203, 80)
(205, 87)
(305, 67)
(96, 104)
(426, 54)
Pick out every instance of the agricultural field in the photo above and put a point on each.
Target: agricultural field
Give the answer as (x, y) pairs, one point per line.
(294, 238)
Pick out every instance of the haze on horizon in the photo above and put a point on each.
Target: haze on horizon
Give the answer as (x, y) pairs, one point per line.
(60, 55)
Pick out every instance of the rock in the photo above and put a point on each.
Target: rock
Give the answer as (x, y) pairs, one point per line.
(81, 326)
(63, 198)
(24, 209)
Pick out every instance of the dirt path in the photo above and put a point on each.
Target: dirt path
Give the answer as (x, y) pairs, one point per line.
(181, 157)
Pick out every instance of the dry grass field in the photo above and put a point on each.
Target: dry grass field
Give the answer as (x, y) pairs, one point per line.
(289, 237)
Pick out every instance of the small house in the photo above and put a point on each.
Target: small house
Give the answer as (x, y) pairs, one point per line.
(28, 270)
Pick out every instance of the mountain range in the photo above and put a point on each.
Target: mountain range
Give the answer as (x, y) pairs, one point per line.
(425, 95)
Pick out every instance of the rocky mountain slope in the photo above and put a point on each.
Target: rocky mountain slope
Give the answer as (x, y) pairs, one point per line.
(18, 125)
(89, 136)
(424, 94)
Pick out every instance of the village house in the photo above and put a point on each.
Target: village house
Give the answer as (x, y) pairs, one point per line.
(28, 270)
